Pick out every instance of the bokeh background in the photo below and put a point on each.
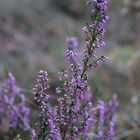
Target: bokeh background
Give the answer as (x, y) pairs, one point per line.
(32, 37)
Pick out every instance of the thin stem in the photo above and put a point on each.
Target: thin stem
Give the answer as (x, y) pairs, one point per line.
(65, 130)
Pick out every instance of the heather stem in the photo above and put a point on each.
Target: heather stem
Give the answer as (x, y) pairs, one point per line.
(64, 135)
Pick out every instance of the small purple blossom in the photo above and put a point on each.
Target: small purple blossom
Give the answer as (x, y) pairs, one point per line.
(72, 43)
(33, 135)
(110, 132)
(85, 29)
(101, 106)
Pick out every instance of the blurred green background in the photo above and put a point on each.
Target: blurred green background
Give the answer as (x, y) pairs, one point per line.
(32, 37)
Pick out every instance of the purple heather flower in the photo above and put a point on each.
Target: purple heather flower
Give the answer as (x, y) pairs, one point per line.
(74, 113)
(58, 90)
(16, 113)
(95, 34)
(47, 114)
(72, 43)
(110, 132)
(85, 29)
(101, 107)
(33, 135)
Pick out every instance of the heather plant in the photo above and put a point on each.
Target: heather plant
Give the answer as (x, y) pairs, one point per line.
(75, 115)
(13, 109)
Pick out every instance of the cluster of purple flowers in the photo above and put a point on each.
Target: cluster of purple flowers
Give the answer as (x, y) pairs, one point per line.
(75, 115)
(13, 105)
(94, 34)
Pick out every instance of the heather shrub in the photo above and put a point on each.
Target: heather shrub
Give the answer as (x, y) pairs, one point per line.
(72, 112)
(75, 114)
